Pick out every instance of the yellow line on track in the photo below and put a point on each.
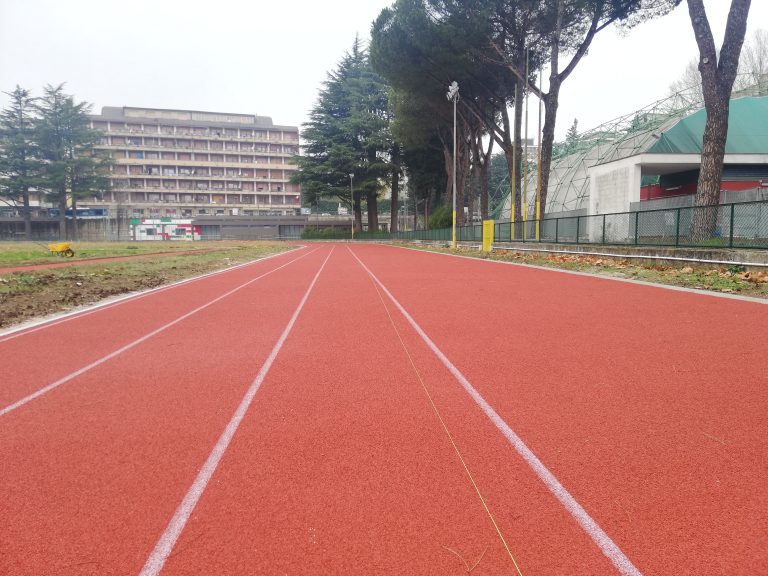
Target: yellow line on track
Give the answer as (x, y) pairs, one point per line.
(445, 428)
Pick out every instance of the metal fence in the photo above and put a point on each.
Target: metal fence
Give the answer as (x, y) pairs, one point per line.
(740, 225)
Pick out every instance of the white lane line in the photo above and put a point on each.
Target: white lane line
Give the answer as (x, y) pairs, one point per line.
(167, 540)
(84, 369)
(607, 546)
(30, 328)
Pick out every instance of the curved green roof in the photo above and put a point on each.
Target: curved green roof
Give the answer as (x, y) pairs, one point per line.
(747, 130)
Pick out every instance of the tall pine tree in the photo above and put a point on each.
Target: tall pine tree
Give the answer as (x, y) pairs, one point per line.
(72, 170)
(348, 133)
(20, 165)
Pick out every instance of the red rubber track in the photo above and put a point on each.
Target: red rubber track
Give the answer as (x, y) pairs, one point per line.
(343, 467)
(83, 467)
(41, 356)
(647, 404)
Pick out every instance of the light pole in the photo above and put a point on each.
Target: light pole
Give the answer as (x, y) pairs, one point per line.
(453, 94)
(352, 195)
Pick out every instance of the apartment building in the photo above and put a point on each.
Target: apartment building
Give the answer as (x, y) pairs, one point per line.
(185, 163)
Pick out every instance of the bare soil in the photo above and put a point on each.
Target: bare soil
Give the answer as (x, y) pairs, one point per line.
(26, 295)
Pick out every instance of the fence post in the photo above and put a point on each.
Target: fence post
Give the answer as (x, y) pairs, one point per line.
(730, 236)
(677, 229)
(603, 229)
(557, 226)
(637, 224)
(578, 222)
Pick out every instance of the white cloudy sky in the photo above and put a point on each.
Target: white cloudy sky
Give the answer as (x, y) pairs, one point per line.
(269, 57)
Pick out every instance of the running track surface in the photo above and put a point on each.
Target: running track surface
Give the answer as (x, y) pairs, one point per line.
(285, 417)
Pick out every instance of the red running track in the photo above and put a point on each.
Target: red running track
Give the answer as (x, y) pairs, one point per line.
(360, 452)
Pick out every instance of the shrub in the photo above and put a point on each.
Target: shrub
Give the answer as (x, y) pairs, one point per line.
(326, 233)
(441, 217)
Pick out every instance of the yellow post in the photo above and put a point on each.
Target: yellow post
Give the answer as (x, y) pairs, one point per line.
(487, 235)
(453, 233)
(512, 223)
(538, 216)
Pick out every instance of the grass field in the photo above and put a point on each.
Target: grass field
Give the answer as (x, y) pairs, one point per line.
(23, 253)
(28, 294)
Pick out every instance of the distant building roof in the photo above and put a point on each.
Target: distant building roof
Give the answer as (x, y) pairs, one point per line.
(188, 117)
(747, 130)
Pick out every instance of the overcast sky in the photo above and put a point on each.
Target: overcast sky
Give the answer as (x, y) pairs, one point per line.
(269, 58)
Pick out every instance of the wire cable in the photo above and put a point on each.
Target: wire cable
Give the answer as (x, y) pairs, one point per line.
(445, 428)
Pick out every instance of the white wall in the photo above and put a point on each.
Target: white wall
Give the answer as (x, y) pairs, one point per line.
(612, 187)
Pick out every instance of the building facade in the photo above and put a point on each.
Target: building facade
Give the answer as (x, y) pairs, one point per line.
(186, 164)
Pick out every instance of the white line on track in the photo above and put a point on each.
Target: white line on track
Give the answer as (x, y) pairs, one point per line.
(167, 540)
(607, 546)
(84, 369)
(111, 303)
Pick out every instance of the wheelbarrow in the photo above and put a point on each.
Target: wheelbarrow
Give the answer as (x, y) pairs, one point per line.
(62, 249)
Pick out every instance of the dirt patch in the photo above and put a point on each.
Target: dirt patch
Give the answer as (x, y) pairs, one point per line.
(32, 294)
(70, 263)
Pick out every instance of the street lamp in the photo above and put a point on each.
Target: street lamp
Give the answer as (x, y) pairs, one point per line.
(453, 94)
(352, 195)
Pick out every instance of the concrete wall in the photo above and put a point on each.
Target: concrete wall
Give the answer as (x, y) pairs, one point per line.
(612, 188)
(88, 230)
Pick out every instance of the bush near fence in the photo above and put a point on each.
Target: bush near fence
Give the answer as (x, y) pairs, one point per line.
(326, 233)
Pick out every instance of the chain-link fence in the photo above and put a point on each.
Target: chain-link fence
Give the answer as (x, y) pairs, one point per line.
(741, 225)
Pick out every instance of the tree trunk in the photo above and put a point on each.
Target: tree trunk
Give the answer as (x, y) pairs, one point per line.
(551, 101)
(485, 167)
(471, 199)
(483, 175)
(448, 162)
(717, 83)
(27, 213)
(548, 139)
(62, 215)
(461, 173)
(74, 218)
(373, 211)
(515, 199)
(704, 223)
(357, 211)
(463, 180)
(515, 159)
(394, 207)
